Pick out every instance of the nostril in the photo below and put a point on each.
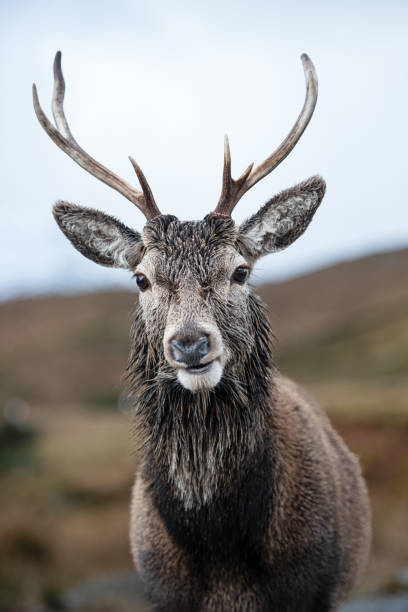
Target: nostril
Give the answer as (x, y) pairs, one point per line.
(189, 351)
(177, 350)
(203, 346)
(178, 345)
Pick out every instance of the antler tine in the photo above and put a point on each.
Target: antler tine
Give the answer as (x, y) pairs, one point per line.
(230, 187)
(147, 192)
(64, 139)
(58, 101)
(233, 190)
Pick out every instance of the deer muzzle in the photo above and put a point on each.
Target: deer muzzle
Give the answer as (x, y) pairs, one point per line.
(196, 352)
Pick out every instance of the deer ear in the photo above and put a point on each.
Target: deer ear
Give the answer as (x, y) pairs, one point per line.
(99, 236)
(283, 219)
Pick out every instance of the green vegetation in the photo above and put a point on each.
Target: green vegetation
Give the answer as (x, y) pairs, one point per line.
(16, 446)
(103, 399)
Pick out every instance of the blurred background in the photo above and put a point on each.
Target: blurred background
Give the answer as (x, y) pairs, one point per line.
(163, 82)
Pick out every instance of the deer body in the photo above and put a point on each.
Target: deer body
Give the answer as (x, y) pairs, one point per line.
(288, 533)
(245, 498)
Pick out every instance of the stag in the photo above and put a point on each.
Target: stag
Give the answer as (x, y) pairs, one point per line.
(245, 498)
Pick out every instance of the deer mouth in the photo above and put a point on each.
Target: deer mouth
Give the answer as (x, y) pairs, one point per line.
(201, 377)
(201, 368)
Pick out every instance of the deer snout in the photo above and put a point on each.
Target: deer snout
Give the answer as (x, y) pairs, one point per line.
(197, 354)
(189, 350)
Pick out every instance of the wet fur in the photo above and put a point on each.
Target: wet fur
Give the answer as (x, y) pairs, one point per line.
(246, 499)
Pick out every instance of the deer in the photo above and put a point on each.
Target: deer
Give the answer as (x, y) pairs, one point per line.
(245, 497)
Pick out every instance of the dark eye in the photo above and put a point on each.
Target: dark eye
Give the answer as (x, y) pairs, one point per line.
(142, 282)
(240, 275)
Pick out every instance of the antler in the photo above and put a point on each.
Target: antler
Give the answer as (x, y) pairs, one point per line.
(63, 137)
(233, 190)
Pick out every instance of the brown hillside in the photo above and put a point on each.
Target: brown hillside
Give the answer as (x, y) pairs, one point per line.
(369, 287)
(74, 348)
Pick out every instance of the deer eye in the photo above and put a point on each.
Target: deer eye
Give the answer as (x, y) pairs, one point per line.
(142, 282)
(240, 275)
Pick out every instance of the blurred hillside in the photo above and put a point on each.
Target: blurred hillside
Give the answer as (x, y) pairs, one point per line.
(346, 321)
(66, 458)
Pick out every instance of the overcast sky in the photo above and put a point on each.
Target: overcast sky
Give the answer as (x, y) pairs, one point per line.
(163, 81)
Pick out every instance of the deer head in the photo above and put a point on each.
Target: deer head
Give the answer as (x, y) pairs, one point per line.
(195, 301)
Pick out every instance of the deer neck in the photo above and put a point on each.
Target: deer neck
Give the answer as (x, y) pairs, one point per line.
(200, 445)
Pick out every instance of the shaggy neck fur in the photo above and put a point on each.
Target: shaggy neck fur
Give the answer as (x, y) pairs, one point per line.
(199, 445)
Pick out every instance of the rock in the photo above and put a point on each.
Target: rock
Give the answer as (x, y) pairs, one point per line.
(403, 576)
(117, 592)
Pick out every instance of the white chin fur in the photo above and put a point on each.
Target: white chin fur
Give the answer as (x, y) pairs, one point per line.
(207, 380)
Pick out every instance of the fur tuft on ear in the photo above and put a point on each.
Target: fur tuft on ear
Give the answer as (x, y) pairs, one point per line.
(283, 219)
(98, 236)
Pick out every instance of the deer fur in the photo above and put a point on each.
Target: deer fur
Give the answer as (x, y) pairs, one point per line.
(245, 497)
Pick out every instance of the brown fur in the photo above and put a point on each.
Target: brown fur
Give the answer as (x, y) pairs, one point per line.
(309, 450)
(245, 499)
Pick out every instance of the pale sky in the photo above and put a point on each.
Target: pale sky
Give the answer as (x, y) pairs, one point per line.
(163, 82)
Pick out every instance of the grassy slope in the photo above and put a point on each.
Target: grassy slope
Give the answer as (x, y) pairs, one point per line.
(343, 332)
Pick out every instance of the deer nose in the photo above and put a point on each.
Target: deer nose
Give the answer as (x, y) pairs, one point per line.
(189, 350)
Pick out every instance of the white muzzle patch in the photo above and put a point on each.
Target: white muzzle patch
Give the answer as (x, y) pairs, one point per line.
(196, 381)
